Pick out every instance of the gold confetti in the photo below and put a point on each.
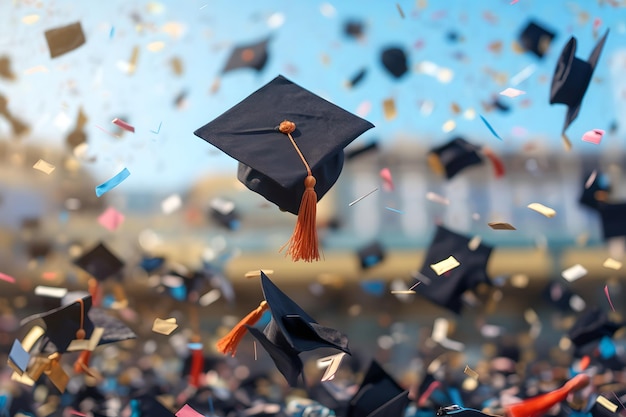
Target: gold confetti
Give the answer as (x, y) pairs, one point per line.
(612, 264)
(446, 265)
(156, 46)
(604, 402)
(540, 208)
(43, 166)
(30, 19)
(501, 226)
(403, 292)
(470, 372)
(474, 243)
(389, 109)
(448, 126)
(165, 327)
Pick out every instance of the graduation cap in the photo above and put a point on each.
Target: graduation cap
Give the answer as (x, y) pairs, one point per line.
(457, 154)
(379, 395)
(446, 290)
(371, 255)
(394, 60)
(64, 39)
(289, 143)
(572, 77)
(290, 331)
(223, 211)
(592, 325)
(100, 262)
(536, 39)
(354, 28)
(252, 56)
(597, 192)
(613, 217)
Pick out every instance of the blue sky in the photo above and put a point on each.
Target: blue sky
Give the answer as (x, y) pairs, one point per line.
(307, 46)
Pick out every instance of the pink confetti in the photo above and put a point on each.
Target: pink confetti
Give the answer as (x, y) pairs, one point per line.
(385, 174)
(7, 278)
(107, 132)
(78, 413)
(49, 275)
(514, 1)
(608, 297)
(364, 108)
(124, 125)
(111, 219)
(187, 411)
(597, 22)
(593, 136)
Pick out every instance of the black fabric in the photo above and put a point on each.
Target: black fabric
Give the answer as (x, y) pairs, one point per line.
(457, 155)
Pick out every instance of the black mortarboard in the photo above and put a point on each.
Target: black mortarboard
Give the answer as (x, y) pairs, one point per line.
(248, 56)
(446, 290)
(597, 192)
(223, 211)
(572, 77)
(64, 39)
(371, 255)
(354, 28)
(290, 331)
(613, 217)
(275, 133)
(100, 262)
(147, 406)
(536, 39)
(592, 325)
(457, 154)
(394, 60)
(379, 395)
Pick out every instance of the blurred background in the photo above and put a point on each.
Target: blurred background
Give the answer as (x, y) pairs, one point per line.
(161, 67)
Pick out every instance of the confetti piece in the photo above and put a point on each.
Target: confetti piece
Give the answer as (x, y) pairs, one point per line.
(77, 413)
(394, 210)
(474, 243)
(612, 264)
(112, 32)
(43, 166)
(156, 46)
(541, 209)
(49, 275)
(591, 179)
(156, 132)
(446, 265)
(470, 372)
(401, 15)
(18, 357)
(30, 19)
(491, 129)
(111, 219)
(331, 363)
(210, 297)
(403, 292)
(165, 327)
(574, 273)
(608, 297)
(448, 126)
(523, 74)
(171, 204)
(54, 292)
(187, 411)
(107, 132)
(385, 174)
(514, 1)
(112, 183)
(361, 198)
(593, 136)
(501, 226)
(364, 108)
(512, 92)
(606, 403)
(33, 70)
(257, 273)
(124, 125)
(436, 198)
(7, 278)
(389, 109)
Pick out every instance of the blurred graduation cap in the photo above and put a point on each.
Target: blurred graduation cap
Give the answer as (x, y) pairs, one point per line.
(458, 154)
(64, 39)
(613, 217)
(223, 211)
(290, 331)
(252, 56)
(378, 396)
(559, 295)
(394, 60)
(99, 262)
(447, 290)
(371, 255)
(536, 39)
(591, 326)
(148, 406)
(289, 143)
(572, 77)
(354, 28)
(597, 192)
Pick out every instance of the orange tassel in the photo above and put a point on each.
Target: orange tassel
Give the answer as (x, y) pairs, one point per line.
(229, 343)
(537, 406)
(498, 165)
(82, 363)
(303, 244)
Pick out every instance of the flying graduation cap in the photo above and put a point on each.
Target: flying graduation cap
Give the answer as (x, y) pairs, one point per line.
(394, 60)
(613, 217)
(591, 326)
(290, 331)
(457, 154)
(446, 290)
(597, 192)
(289, 143)
(253, 56)
(378, 396)
(100, 262)
(536, 39)
(572, 77)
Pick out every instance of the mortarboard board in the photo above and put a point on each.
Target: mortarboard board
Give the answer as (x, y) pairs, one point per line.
(252, 56)
(457, 154)
(371, 255)
(592, 325)
(613, 217)
(572, 77)
(290, 331)
(446, 290)
(379, 395)
(394, 60)
(289, 143)
(64, 39)
(100, 262)
(597, 192)
(536, 38)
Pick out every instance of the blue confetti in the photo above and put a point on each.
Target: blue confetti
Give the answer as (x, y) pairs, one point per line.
(113, 182)
(376, 288)
(394, 210)
(112, 32)
(491, 129)
(19, 356)
(156, 132)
